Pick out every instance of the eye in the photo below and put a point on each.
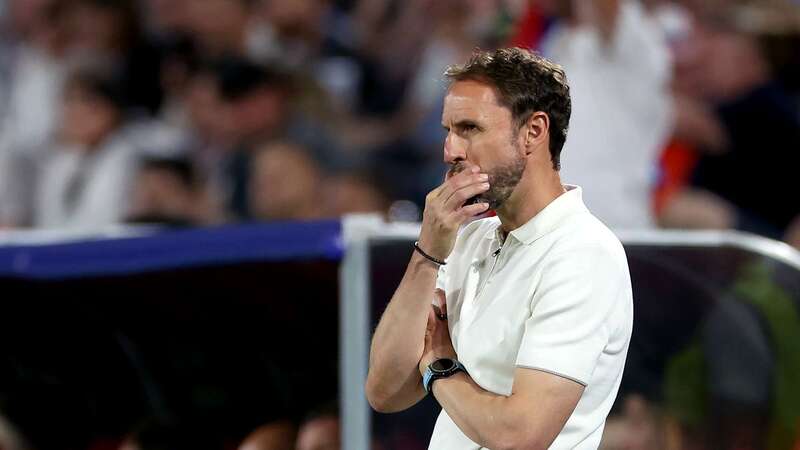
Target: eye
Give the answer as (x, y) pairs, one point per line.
(468, 128)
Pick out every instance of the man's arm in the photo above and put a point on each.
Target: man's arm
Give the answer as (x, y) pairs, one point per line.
(393, 382)
(566, 334)
(530, 418)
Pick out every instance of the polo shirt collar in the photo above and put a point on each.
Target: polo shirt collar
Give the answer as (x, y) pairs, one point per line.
(551, 217)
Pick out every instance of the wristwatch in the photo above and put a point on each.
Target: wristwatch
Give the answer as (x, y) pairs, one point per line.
(441, 368)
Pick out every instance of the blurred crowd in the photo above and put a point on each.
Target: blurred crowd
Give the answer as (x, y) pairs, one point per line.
(182, 112)
(318, 430)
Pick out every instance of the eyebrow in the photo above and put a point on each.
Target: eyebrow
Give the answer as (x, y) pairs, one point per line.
(462, 123)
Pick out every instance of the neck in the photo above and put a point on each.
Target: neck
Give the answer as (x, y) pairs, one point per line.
(533, 193)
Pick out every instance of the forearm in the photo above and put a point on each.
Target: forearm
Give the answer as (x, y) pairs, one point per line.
(394, 382)
(530, 418)
(488, 419)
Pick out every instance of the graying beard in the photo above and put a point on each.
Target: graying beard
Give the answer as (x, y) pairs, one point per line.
(502, 182)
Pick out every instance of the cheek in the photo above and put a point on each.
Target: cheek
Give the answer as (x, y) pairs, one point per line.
(489, 150)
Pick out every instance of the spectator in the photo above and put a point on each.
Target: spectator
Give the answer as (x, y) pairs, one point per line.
(743, 126)
(277, 435)
(167, 192)
(320, 430)
(638, 426)
(219, 26)
(36, 73)
(353, 192)
(35, 415)
(284, 184)
(33, 78)
(10, 438)
(256, 107)
(255, 100)
(170, 435)
(618, 66)
(108, 32)
(85, 181)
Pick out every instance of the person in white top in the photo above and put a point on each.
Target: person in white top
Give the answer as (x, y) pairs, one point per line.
(85, 180)
(525, 343)
(620, 71)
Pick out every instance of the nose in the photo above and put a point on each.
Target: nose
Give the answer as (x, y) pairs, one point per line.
(454, 149)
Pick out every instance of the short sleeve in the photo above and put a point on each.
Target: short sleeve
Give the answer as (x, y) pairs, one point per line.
(568, 328)
(441, 278)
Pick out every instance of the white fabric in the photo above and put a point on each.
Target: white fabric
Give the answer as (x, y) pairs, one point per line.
(33, 103)
(107, 174)
(556, 298)
(30, 115)
(621, 113)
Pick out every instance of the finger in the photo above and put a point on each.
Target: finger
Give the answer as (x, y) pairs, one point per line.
(469, 211)
(441, 301)
(458, 181)
(431, 325)
(461, 167)
(461, 196)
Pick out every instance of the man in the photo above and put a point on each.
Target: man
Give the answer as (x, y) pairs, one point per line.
(526, 341)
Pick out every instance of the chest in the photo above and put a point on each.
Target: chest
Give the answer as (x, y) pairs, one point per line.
(489, 304)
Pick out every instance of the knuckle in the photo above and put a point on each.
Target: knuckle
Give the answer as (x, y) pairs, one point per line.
(460, 182)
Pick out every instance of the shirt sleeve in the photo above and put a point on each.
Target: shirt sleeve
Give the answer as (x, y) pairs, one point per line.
(441, 279)
(568, 328)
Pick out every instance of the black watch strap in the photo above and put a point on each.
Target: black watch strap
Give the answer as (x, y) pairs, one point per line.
(441, 368)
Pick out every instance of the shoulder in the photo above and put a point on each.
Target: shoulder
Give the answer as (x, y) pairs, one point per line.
(585, 236)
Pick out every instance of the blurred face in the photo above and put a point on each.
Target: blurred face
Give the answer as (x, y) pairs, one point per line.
(257, 115)
(159, 192)
(26, 14)
(204, 108)
(637, 428)
(291, 15)
(348, 194)
(129, 444)
(283, 184)
(719, 65)
(480, 131)
(167, 15)
(272, 436)
(218, 24)
(87, 117)
(95, 30)
(319, 434)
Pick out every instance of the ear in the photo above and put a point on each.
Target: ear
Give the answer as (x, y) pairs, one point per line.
(536, 131)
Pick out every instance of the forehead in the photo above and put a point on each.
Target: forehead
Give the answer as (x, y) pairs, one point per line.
(472, 100)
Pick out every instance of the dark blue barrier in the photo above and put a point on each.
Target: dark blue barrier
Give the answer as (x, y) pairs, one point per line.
(279, 241)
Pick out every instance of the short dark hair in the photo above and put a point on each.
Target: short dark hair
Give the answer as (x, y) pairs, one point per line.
(238, 77)
(101, 82)
(181, 167)
(525, 83)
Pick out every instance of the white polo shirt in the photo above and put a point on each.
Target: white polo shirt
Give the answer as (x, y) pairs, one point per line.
(557, 297)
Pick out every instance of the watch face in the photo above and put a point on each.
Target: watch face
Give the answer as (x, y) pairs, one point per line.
(443, 365)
